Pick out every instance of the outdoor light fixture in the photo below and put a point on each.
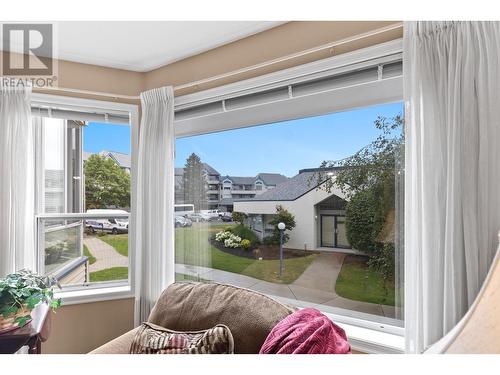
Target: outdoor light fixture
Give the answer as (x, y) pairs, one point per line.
(281, 227)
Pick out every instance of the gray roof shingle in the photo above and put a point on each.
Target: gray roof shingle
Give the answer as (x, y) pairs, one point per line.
(292, 188)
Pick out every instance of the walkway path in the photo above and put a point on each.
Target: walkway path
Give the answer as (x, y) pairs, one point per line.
(105, 254)
(315, 287)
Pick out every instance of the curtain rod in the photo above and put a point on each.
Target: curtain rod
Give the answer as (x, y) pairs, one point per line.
(239, 71)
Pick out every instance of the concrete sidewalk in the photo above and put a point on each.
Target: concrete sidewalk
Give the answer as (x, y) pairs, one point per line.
(105, 254)
(314, 288)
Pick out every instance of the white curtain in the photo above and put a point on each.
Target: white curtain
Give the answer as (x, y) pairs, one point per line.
(154, 212)
(452, 206)
(17, 180)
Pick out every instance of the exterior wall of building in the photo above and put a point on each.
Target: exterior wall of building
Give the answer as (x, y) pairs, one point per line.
(305, 234)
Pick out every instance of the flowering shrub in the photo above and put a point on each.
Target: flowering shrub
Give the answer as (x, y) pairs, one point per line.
(245, 244)
(229, 239)
(222, 236)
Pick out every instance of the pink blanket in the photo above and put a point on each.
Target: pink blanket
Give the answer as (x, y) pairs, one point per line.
(306, 331)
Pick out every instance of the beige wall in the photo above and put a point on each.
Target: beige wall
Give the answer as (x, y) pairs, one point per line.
(78, 329)
(280, 41)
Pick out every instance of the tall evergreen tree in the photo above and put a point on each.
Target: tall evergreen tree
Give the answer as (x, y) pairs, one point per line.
(194, 183)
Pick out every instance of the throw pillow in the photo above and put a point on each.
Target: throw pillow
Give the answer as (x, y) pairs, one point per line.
(153, 339)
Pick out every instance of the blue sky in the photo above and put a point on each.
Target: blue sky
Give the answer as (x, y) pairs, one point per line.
(283, 147)
(288, 146)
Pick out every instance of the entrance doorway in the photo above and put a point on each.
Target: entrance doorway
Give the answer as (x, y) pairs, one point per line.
(333, 231)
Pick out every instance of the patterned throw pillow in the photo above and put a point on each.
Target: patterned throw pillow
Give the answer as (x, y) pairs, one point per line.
(153, 339)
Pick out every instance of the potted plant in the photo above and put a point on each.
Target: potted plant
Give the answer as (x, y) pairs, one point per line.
(20, 293)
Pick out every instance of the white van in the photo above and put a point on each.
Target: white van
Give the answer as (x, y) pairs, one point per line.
(112, 225)
(213, 214)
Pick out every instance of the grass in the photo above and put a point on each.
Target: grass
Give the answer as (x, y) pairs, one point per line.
(357, 282)
(87, 253)
(193, 247)
(114, 273)
(118, 241)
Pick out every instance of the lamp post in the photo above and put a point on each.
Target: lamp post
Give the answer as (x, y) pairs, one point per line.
(281, 227)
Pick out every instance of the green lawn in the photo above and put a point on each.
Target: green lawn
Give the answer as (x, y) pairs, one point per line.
(115, 273)
(357, 282)
(193, 247)
(87, 253)
(118, 241)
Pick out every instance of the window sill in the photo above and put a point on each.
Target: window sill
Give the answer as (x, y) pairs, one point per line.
(364, 335)
(370, 341)
(79, 296)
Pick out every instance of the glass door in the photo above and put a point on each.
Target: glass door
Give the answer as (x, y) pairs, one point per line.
(327, 230)
(340, 230)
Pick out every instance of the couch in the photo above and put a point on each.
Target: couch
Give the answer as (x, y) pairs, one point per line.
(191, 306)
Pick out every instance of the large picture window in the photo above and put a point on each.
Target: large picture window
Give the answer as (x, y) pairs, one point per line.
(334, 180)
(319, 148)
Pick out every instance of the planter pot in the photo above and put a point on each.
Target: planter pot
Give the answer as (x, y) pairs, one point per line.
(9, 324)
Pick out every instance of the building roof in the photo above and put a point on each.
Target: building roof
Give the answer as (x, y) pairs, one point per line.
(293, 187)
(123, 160)
(271, 178)
(206, 167)
(210, 170)
(267, 178)
(237, 180)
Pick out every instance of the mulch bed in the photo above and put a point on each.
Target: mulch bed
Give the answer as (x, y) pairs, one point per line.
(267, 252)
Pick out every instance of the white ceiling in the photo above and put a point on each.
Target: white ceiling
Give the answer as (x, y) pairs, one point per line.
(145, 45)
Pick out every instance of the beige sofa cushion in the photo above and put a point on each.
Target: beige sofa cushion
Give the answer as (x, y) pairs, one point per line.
(190, 306)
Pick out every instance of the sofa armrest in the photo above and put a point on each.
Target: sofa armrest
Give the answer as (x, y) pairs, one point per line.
(120, 345)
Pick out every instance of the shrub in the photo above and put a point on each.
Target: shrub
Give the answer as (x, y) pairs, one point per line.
(239, 217)
(271, 240)
(245, 244)
(383, 260)
(282, 216)
(245, 233)
(228, 239)
(363, 221)
(221, 236)
(232, 242)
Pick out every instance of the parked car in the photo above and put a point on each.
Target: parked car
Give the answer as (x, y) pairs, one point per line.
(227, 217)
(199, 217)
(181, 221)
(115, 226)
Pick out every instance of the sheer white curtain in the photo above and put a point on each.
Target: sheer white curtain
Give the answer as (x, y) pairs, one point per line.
(17, 181)
(452, 207)
(154, 212)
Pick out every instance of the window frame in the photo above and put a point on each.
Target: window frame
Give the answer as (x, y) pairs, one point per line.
(96, 291)
(369, 336)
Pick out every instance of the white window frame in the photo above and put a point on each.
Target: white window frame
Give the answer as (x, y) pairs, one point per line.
(109, 290)
(364, 335)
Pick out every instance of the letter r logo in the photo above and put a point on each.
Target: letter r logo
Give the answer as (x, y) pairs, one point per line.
(27, 49)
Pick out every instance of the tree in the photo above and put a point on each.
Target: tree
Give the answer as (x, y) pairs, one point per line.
(106, 184)
(194, 184)
(239, 217)
(282, 216)
(368, 179)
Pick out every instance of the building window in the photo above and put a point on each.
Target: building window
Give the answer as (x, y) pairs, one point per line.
(83, 197)
(341, 185)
